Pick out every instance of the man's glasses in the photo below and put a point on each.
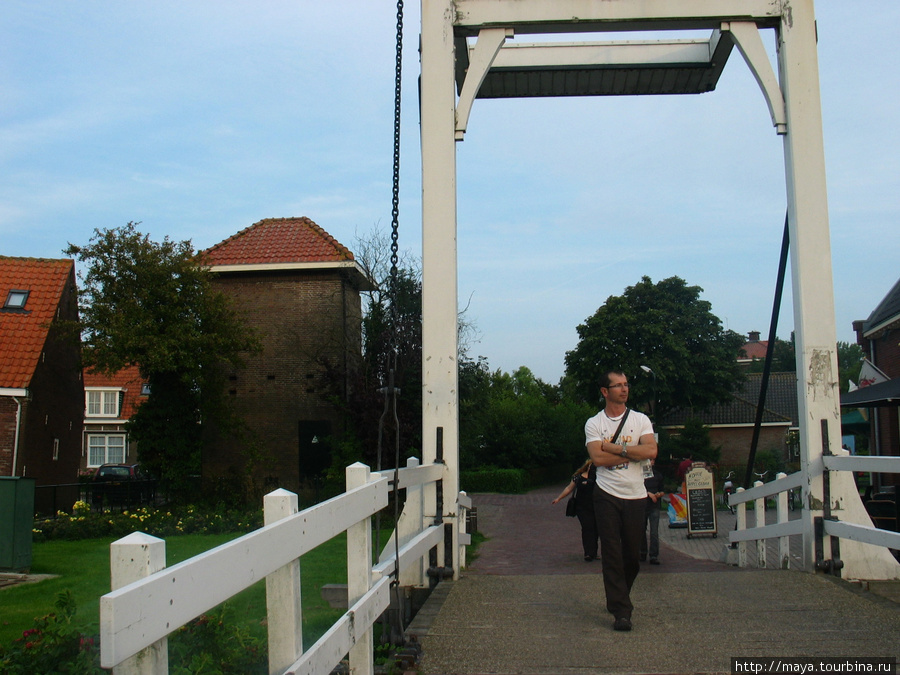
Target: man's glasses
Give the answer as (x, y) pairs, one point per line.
(620, 385)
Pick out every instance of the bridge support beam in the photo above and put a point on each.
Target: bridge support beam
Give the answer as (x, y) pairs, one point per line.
(440, 406)
(794, 105)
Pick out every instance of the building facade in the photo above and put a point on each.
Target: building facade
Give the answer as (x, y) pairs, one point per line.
(299, 288)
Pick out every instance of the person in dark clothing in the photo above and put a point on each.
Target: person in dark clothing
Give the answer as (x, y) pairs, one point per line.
(583, 484)
(654, 485)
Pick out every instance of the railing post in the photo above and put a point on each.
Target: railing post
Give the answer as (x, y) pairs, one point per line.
(781, 510)
(359, 573)
(413, 511)
(283, 606)
(132, 558)
(742, 525)
(760, 507)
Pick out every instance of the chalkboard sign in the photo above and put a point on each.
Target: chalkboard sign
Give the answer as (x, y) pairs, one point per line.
(701, 501)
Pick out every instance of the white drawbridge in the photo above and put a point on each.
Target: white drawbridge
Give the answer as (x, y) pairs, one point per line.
(466, 48)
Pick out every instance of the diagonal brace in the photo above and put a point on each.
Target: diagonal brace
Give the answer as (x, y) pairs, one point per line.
(746, 36)
(490, 40)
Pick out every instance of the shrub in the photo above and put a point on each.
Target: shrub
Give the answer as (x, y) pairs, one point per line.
(52, 646)
(210, 644)
(508, 481)
(83, 523)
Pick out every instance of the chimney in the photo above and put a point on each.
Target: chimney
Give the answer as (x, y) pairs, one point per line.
(754, 336)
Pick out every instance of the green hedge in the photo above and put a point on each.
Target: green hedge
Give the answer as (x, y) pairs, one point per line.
(507, 481)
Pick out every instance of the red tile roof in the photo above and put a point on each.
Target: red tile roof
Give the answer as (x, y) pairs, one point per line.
(755, 349)
(23, 333)
(128, 379)
(278, 240)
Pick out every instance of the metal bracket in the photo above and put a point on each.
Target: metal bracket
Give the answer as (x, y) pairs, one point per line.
(745, 35)
(490, 40)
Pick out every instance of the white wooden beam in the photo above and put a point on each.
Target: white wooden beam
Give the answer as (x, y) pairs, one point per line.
(569, 16)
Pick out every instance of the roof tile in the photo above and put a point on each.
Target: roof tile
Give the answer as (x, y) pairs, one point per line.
(23, 333)
(278, 240)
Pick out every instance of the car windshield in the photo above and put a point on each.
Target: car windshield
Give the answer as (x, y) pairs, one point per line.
(114, 471)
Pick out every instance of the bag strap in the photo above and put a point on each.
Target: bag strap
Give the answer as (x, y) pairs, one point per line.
(621, 424)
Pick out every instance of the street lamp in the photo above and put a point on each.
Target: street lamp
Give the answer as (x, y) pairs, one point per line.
(647, 369)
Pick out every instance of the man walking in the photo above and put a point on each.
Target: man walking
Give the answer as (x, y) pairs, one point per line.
(617, 440)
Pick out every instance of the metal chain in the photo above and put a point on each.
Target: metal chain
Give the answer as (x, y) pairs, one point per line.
(395, 202)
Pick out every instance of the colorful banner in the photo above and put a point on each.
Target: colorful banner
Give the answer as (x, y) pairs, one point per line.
(678, 510)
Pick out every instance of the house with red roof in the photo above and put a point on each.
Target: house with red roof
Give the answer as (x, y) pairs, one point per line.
(109, 402)
(879, 337)
(753, 350)
(300, 289)
(41, 390)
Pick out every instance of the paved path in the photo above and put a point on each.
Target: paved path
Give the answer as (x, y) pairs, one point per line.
(530, 605)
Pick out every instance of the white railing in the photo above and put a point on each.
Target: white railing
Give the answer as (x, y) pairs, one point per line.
(150, 601)
(783, 528)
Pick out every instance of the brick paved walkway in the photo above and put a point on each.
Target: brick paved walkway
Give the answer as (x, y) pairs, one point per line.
(530, 605)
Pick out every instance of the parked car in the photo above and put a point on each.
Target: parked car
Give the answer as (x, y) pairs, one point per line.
(121, 485)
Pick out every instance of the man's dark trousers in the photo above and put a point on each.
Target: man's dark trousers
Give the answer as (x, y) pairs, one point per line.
(620, 523)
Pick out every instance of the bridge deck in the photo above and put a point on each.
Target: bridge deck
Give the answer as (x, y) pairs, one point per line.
(529, 604)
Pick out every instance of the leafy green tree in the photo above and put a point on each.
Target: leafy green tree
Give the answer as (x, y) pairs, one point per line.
(516, 420)
(151, 304)
(666, 327)
(850, 356)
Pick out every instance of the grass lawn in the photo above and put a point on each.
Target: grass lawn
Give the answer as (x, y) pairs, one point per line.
(83, 569)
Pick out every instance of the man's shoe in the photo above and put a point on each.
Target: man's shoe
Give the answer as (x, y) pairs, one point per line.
(588, 558)
(654, 561)
(622, 623)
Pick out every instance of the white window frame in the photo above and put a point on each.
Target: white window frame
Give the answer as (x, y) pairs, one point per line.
(106, 403)
(106, 448)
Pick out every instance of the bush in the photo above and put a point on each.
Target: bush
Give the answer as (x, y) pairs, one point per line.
(53, 646)
(83, 523)
(206, 645)
(211, 645)
(507, 481)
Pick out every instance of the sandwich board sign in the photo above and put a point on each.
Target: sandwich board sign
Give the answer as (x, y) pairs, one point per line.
(701, 500)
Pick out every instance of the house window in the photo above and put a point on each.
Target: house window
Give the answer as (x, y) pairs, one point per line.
(102, 403)
(16, 299)
(106, 449)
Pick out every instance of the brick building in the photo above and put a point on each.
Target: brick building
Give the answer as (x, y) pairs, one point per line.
(731, 424)
(300, 288)
(41, 391)
(879, 337)
(109, 402)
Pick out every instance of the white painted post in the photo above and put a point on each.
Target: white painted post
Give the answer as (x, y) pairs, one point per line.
(412, 518)
(781, 510)
(760, 507)
(742, 525)
(440, 406)
(283, 606)
(813, 292)
(462, 517)
(132, 558)
(359, 573)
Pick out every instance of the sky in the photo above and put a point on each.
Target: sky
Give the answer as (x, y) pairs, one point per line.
(198, 119)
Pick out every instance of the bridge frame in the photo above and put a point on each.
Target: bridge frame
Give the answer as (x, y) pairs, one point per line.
(492, 67)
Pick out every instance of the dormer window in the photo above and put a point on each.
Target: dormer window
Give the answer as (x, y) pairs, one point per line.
(102, 403)
(16, 299)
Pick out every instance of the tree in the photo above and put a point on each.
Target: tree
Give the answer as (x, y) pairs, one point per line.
(669, 329)
(151, 304)
(516, 420)
(392, 340)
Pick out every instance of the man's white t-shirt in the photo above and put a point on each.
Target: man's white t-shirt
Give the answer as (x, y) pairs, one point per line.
(625, 480)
